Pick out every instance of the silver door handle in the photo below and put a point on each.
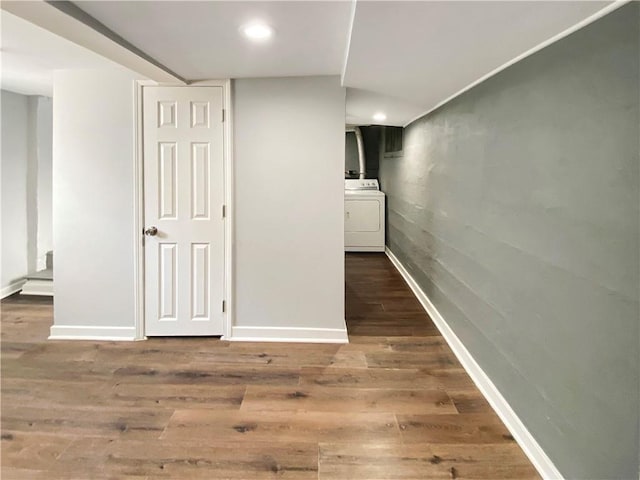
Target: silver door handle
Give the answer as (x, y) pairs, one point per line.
(151, 231)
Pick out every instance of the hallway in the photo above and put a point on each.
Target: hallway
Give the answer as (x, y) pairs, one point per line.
(392, 404)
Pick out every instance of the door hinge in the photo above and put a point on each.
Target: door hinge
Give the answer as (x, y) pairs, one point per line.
(223, 114)
(224, 306)
(224, 211)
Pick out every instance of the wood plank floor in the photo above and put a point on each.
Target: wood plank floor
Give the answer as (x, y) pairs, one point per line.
(392, 404)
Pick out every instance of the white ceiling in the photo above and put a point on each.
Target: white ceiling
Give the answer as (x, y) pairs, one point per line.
(362, 104)
(402, 58)
(30, 54)
(424, 52)
(201, 40)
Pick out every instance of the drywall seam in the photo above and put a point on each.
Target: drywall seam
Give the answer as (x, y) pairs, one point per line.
(527, 442)
(599, 14)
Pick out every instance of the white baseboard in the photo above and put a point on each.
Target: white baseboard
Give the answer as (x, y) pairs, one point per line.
(364, 249)
(11, 288)
(527, 442)
(38, 287)
(288, 334)
(88, 332)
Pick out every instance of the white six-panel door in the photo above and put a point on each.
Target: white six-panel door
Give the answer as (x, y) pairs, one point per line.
(183, 200)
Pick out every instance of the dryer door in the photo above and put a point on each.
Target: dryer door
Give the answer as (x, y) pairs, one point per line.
(361, 215)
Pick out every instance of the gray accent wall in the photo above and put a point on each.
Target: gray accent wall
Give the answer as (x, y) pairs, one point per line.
(516, 208)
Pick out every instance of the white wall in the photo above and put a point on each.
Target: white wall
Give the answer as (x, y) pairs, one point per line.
(289, 161)
(26, 186)
(44, 129)
(15, 151)
(93, 202)
(289, 208)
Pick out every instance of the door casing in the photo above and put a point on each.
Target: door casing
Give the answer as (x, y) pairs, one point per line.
(139, 298)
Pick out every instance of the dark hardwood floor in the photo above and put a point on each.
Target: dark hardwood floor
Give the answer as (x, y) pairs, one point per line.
(392, 404)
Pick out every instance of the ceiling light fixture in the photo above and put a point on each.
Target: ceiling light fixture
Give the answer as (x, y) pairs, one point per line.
(257, 31)
(379, 117)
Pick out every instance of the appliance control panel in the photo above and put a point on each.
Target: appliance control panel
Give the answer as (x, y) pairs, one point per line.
(361, 184)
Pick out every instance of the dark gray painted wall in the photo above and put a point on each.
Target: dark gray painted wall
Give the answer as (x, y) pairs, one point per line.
(371, 139)
(516, 208)
(351, 153)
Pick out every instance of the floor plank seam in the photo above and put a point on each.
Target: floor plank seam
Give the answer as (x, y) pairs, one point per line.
(216, 409)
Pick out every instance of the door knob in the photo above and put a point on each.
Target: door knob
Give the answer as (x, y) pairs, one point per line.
(151, 231)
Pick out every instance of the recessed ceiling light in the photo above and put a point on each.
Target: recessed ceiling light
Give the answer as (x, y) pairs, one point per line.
(257, 31)
(379, 117)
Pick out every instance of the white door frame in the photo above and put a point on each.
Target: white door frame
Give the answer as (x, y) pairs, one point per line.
(228, 315)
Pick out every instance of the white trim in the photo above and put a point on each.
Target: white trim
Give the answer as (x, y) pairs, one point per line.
(37, 286)
(228, 316)
(229, 231)
(289, 334)
(527, 442)
(12, 288)
(138, 210)
(89, 332)
(348, 47)
(363, 249)
(599, 14)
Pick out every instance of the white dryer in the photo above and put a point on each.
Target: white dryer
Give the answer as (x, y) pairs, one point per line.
(363, 216)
